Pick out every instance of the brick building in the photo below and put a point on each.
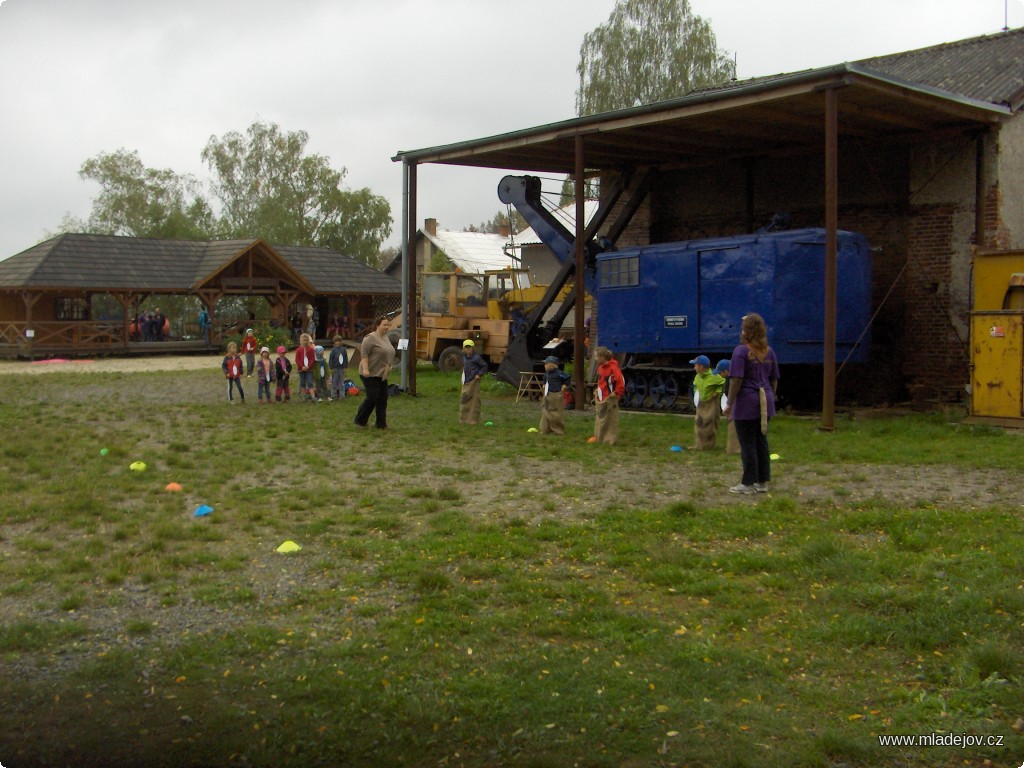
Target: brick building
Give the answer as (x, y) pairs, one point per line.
(921, 151)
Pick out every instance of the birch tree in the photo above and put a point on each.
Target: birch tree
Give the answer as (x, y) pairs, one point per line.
(647, 51)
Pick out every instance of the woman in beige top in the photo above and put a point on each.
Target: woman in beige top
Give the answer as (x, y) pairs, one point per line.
(374, 366)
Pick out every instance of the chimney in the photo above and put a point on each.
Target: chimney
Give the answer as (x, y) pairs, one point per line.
(430, 227)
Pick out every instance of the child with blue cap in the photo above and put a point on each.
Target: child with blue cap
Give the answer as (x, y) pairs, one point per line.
(707, 394)
(552, 404)
(732, 443)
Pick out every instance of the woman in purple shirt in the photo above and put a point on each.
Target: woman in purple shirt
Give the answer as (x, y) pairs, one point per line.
(753, 377)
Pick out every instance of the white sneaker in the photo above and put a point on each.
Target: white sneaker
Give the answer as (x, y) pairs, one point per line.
(761, 487)
(744, 489)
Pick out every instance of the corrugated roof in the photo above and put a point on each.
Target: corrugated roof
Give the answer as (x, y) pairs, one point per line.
(108, 262)
(472, 251)
(896, 97)
(988, 68)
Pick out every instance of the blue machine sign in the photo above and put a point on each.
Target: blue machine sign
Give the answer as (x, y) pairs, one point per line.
(675, 321)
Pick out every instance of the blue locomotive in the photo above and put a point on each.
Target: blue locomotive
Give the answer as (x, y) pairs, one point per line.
(659, 306)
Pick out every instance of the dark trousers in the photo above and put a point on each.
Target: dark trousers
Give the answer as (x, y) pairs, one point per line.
(232, 383)
(754, 453)
(376, 399)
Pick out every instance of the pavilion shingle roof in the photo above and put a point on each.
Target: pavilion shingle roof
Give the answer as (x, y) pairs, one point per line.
(332, 272)
(107, 262)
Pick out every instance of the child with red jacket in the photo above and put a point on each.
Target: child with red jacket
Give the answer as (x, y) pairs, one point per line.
(249, 347)
(305, 359)
(611, 386)
(232, 367)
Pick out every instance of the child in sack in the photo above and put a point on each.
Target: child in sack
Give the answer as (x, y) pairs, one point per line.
(552, 404)
(707, 396)
(611, 386)
(732, 443)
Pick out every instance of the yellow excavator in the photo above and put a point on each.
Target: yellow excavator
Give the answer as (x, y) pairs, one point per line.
(489, 308)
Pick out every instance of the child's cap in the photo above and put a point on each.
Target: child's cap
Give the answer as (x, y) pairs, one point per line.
(281, 350)
(248, 331)
(551, 359)
(701, 360)
(468, 343)
(722, 367)
(319, 348)
(265, 349)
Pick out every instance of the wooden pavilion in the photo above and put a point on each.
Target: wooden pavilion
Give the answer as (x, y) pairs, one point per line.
(48, 292)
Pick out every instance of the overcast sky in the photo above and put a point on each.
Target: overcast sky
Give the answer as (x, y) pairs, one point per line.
(364, 78)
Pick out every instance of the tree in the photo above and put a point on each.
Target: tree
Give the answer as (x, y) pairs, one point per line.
(143, 202)
(512, 222)
(647, 51)
(268, 188)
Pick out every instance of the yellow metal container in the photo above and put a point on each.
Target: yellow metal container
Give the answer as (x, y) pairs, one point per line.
(997, 374)
(997, 337)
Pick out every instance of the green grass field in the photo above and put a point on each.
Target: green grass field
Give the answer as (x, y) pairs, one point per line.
(486, 596)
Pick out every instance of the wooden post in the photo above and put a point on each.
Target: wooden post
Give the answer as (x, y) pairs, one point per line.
(409, 257)
(578, 347)
(980, 182)
(828, 404)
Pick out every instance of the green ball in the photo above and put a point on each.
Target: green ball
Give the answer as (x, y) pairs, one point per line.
(104, 451)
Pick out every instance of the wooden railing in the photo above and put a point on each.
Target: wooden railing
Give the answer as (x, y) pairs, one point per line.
(65, 336)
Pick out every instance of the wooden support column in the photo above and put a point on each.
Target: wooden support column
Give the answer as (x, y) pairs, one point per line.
(980, 183)
(30, 300)
(828, 398)
(578, 347)
(125, 300)
(210, 297)
(409, 262)
(748, 169)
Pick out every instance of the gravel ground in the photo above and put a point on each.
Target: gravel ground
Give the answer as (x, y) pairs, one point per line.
(113, 364)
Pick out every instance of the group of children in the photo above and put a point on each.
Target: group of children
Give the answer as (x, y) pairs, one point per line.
(708, 390)
(320, 378)
(315, 372)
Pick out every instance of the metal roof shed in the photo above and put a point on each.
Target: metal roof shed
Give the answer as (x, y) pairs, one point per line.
(789, 114)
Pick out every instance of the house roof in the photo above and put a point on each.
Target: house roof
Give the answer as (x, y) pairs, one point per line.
(332, 272)
(109, 262)
(988, 68)
(891, 98)
(471, 251)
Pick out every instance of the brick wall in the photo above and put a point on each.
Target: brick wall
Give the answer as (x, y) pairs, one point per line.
(916, 207)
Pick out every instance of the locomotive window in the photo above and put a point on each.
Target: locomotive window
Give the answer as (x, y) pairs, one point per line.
(620, 273)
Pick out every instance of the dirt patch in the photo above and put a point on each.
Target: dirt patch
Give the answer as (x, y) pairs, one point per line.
(112, 364)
